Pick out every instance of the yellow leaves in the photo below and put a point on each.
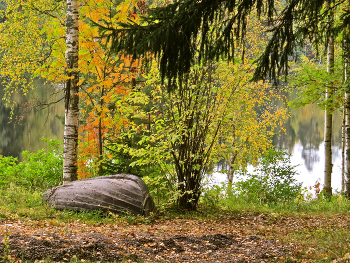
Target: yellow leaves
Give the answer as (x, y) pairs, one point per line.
(123, 10)
(93, 89)
(107, 83)
(115, 77)
(97, 10)
(95, 61)
(90, 45)
(95, 16)
(81, 81)
(253, 130)
(27, 37)
(32, 44)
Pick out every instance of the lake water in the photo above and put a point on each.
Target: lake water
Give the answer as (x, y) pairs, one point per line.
(309, 171)
(303, 138)
(31, 121)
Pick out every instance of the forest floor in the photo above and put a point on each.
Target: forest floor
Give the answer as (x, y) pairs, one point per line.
(245, 237)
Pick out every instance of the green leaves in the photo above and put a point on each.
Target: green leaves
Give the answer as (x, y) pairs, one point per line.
(39, 170)
(271, 182)
(310, 80)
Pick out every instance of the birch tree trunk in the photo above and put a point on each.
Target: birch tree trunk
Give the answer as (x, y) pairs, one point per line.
(328, 123)
(346, 50)
(343, 154)
(232, 156)
(71, 96)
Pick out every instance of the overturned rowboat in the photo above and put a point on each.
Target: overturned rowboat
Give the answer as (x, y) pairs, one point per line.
(118, 194)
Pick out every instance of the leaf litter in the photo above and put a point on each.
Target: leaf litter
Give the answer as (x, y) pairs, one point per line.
(239, 238)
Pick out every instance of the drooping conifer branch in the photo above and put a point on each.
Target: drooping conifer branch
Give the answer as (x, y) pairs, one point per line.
(189, 31)
(185, 32)
(301, 20)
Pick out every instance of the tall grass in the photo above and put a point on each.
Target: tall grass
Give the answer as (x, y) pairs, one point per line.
(23, 183)
(270, 188)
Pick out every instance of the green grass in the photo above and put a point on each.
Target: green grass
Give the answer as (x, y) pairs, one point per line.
(20, 202)
(323, 243)
(326, 238)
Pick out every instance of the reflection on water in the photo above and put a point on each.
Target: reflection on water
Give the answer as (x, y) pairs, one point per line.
(304, 140)
(307, 125)
(32, 120)
(303, 137)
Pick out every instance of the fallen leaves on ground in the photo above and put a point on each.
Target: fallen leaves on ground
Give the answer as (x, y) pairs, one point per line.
(241, 238)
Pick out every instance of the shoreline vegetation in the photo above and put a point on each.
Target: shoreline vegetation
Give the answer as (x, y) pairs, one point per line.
(166, 91)
(230, 223)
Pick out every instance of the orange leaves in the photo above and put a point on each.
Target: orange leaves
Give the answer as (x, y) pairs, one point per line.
(106, 84)
(91, 45)
(96, 61)
(36, 48)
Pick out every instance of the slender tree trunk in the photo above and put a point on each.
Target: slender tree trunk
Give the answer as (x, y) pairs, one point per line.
(232, 156)
(71, 89)
(328, 123)
(100, 137)
(343, 154)
(232, 160)
(347, 107)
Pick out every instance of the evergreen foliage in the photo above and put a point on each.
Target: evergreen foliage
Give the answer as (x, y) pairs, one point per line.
(174, 32)
(301, 20)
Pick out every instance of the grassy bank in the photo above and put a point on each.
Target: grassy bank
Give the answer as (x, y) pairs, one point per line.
(311, 229)
(319, 229)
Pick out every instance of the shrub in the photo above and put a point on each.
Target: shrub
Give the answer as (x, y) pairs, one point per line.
(163, 188)
(272, 181)
(40, 170)
(7, 168)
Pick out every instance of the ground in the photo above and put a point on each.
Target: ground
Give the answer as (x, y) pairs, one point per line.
(237, 238)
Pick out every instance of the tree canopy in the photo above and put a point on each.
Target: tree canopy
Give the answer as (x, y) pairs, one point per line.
(188, 32)
(299, 21)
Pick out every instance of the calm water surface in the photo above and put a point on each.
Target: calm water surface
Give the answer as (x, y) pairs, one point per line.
(303, 138)
(31, 120)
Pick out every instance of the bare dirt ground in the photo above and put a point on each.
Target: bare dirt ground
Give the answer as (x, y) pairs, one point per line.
(250, 238)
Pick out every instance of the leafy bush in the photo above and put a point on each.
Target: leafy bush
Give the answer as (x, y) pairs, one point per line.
(42, 169)
(272, 181)
(7, 168)
(163, 188)
(214, 195)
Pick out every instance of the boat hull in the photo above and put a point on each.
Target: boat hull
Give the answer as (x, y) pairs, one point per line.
(118, 194)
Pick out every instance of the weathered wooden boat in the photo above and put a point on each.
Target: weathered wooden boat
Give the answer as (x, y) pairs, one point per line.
(118, 194)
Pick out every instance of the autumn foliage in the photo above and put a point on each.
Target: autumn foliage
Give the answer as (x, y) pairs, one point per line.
(125, 120)
(106, 82)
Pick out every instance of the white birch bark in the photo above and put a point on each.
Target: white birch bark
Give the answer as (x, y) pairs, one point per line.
(232, 156)
(72, 89)
(346, 51)
(343, 153)
(328, 122)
